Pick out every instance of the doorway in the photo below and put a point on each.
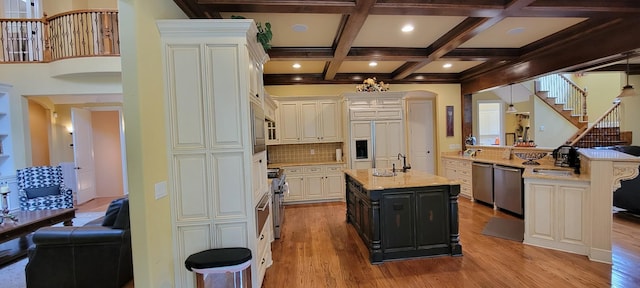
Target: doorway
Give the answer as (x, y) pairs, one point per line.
(102, 138)
(420, 135)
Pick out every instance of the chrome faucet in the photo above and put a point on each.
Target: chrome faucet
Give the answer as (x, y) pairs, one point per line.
(404, 162)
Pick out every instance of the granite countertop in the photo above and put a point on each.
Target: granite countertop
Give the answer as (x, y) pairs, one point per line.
(289, 164)
(401, 180)
(545, 163)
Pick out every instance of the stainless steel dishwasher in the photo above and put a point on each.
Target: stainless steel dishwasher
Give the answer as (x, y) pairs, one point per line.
(507, 190)
(482, 182)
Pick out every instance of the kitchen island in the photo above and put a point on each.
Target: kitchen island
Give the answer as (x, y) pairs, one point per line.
(406, 215)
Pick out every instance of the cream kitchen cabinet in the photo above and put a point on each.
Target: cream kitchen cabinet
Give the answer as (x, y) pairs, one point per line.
(310, 121)
(214, 178)
(289, 123)
(259, 175)
(459, 170)
(557, 214)
(314, 183)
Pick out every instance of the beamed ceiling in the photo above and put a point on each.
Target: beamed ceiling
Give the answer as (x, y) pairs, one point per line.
(487, 42)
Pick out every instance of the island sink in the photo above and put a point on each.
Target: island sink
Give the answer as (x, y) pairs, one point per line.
(552, 172)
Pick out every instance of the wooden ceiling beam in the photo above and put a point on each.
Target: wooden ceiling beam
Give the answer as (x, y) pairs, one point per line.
(351, 29)
(613, 39)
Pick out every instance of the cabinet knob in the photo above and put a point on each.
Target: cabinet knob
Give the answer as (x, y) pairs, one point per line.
(257, 96)
(260, 160)
(261, 236)
(262, 262)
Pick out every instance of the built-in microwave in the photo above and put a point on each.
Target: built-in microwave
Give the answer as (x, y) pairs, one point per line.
(257, 128)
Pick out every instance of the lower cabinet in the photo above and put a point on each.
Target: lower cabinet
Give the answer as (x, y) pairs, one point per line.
(405, 222)
(557, 215)
(264, 240)
(314, 183)
(459, 170)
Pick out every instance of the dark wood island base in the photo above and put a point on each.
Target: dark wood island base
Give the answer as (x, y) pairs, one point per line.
(409, 215)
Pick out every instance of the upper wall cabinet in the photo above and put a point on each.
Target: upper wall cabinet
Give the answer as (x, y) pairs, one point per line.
(310, 121)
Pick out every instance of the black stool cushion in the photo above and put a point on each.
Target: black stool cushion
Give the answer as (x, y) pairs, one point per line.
(214, 258)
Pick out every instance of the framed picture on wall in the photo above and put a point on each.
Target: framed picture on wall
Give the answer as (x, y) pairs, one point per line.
(449, 121)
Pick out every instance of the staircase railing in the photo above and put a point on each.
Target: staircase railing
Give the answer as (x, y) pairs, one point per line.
(604, 132)
(565, 92)
(79, 33)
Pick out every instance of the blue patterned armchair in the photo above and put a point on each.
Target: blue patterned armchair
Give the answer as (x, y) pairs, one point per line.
(42, 188)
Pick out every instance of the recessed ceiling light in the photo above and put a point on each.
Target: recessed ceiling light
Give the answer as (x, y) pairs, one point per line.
(297, 78)
(515, 31)
(407, 28)
(447, 65)
(296, 66)
(299, 27)
(373, 64)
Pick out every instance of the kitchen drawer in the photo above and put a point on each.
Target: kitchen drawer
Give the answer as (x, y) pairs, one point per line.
(465, 164)
(334, 169)
(293, 170)
(464, 173)
(451, 163)
(313, 169)
(389, 114)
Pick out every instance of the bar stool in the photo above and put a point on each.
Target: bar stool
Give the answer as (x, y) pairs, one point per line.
(223, 267)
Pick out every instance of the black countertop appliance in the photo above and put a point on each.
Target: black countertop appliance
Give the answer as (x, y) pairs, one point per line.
(567, 156)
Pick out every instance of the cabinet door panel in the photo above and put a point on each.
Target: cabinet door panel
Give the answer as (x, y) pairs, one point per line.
(397, 212)
(309, 121)
(330, 121)
(313, 187)
(333, 186)
(289, 122)
(295, 189)
(432, 218)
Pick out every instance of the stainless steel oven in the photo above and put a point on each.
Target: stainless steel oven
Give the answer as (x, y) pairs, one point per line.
(262, 212)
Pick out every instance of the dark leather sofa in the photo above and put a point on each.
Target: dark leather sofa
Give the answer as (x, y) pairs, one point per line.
(628, 195)
(97, 254)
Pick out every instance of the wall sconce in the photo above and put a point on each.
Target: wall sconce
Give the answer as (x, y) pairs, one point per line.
(55, 114)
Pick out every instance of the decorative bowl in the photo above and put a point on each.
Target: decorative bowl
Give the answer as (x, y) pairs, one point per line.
(530, 157)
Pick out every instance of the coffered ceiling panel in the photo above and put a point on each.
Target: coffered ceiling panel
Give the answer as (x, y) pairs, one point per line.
(298, 30)
(385, 30)
(516, 32)
(456, 66)
(286, 67)
(363, 67)
(488, 42)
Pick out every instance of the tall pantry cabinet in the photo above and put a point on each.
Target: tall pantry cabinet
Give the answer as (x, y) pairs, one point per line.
(213, 71)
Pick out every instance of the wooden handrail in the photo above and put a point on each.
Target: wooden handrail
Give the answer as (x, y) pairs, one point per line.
(71, 34)
(613, 108)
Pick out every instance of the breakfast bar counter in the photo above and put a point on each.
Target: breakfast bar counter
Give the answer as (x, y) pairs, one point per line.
(403, 215)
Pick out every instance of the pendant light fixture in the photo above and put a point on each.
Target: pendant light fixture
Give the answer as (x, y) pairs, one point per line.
(628, 90)
(511, 109)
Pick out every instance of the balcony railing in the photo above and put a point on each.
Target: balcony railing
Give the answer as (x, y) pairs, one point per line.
(81, 33)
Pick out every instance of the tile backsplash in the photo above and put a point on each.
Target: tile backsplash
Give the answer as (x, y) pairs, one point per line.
(291, 153)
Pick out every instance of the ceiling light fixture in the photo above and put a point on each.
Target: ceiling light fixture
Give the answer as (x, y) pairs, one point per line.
(407, 28)
(299, 28)
(447, 65)
(511, 109)
(296, 66)
(627, 90)
(373, 64)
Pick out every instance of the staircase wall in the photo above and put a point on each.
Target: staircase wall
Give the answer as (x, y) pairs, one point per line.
(556, 128)
(602, 89)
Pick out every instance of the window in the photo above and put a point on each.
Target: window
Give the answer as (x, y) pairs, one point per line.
(490, 122)
(21, 9)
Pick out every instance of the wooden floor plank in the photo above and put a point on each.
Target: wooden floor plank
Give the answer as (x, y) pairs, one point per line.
(319, 249)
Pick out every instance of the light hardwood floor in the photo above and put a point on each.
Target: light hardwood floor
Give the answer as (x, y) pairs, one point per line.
(319, 249)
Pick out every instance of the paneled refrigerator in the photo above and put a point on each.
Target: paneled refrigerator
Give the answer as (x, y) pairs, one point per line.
(376, 143)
